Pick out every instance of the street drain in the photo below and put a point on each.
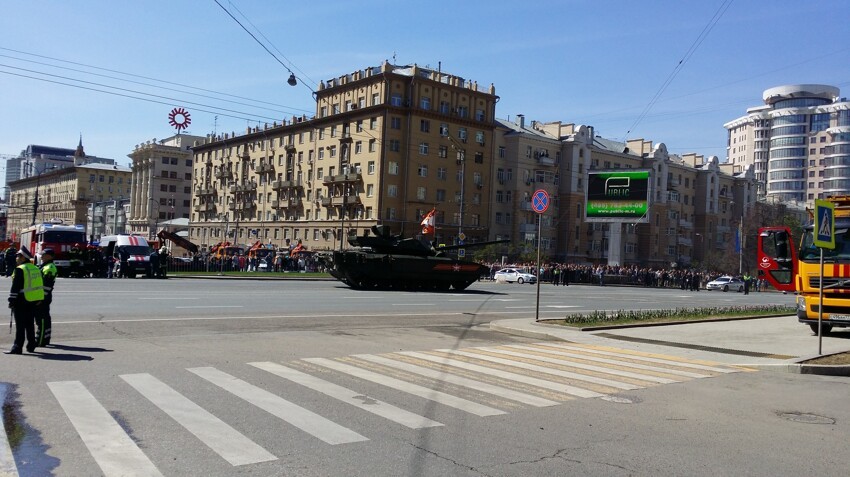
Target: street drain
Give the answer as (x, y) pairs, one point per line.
(806, 418)
(621, 399)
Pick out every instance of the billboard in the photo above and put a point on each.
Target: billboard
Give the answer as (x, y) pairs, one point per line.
(617, 195)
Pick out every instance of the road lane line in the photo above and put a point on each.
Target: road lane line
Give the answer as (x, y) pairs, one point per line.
(524, 398)
(308, 421)
(410, 388)
(212, 306)
(112, 449)
(601, 369)
(380, 408)
(226, 441)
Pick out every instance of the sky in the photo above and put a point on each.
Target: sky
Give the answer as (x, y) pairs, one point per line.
(671, 71)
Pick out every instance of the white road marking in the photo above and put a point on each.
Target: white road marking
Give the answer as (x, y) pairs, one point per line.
(211, 306)
(380, 408)
(524, 398)
(160, 299)
(294, 414)
(540, 383)
(615, 362)
(416, 390)
(647, 359)
(226, 441)
(589, 367)
(111, 447)
(413, 304)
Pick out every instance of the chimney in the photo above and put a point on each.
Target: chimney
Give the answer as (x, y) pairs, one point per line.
(521, 118)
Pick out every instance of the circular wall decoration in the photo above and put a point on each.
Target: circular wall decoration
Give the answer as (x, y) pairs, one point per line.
(179, 119)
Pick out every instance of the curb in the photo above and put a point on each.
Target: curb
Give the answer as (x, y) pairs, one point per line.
(257, 278)
(803, 368)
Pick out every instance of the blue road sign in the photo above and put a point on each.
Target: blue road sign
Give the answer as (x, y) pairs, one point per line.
(540, 201)
(824, 224)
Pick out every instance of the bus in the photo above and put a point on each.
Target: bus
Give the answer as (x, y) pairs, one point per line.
(67, 242)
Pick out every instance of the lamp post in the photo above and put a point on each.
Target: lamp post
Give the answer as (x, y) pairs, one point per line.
(38, 174)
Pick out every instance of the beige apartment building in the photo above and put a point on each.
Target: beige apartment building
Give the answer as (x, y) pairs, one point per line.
(66, 194)
(387, 144)
(162, 183)
(696, 204)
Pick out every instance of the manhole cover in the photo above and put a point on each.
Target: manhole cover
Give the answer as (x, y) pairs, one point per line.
(621, 399)
(806, 418)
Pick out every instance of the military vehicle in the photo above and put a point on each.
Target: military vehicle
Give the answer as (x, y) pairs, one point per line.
(385, 261)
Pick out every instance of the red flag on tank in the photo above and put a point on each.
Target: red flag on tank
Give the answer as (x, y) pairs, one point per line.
(428, 222)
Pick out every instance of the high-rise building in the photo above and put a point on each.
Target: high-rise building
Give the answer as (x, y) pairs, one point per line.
(798, 142)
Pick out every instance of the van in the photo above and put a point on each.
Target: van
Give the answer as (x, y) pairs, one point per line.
(134, 248)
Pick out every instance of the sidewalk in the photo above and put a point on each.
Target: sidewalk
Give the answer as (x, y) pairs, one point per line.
(689, 341)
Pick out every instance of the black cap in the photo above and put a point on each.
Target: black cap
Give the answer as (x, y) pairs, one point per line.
(48, 251)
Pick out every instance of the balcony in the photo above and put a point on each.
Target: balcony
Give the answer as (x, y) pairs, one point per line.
(246, 187)
(526, 206)
(684, 241)
(264, 168)
(277, 185)
(205, 192)
(545, 160)
(286, 203)
(528, 228)
(325, 201)
(686, 224)
(208, 207)
(223, 174)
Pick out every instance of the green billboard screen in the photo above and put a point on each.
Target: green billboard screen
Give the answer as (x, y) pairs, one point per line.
(614, 196)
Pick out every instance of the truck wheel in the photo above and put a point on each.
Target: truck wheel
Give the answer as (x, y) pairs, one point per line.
(826, 328)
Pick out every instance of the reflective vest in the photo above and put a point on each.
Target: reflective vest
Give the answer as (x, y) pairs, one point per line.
(48, 274)
(33, 289)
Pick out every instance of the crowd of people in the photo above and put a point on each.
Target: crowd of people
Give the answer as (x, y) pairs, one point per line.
(563, 274)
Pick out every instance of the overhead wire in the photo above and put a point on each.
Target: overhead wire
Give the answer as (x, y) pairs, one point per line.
(688, 54)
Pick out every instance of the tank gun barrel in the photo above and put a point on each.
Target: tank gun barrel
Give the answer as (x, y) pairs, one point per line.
(470, 245)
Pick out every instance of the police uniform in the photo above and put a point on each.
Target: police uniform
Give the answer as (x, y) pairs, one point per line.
(42, 319)
(25, 295)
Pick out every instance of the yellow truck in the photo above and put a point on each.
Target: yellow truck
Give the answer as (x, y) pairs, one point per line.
(795, 270)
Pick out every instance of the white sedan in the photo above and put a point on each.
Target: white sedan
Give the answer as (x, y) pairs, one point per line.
(725, 283)
(511, 275)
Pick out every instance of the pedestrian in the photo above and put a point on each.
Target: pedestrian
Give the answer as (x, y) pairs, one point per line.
(124, 258)
(43, 321)
(163, 262)
(26, 294)
(747, 280)
(154, 264)
(9, 258)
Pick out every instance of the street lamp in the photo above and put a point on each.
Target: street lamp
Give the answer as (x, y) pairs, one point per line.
(38, 174)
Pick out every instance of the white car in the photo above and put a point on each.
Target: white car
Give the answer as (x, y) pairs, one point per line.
(511, 275)
(725, 283)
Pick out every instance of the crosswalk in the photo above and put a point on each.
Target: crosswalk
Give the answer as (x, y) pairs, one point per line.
(479, 381)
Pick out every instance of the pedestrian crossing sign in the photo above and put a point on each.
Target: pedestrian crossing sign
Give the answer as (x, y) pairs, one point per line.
(824, 224)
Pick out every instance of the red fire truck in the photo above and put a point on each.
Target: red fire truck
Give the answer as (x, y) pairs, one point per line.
(65, 240)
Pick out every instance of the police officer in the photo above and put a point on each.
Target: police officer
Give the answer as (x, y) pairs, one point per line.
(26, 294)
(42, 318)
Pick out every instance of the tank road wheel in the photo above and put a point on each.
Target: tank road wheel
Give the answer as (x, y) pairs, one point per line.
(460, 285)
(825, 327)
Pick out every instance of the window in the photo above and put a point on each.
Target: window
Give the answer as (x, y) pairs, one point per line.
(462, 111)
(373, 123)
(188, 176)
(500, 197)
(392, 190)
(444, 129)
(332, 151)
(441, 173)
(502, 152)
(420, 193)
(321, 153)
(443, 152)
(479, 158)
(441, 195)
(425, 125)
(479, 115)
(395, 122)
(390, 213)
(376, 99)
(320, 173)
(370, 190)
(445, 108)
(395, 145)
(395, 100)
(423, 170)
(425, 103)
(479, 137)
(392, 168)
(358, 126)
(461, 134)
(423, 148)
(372, 145)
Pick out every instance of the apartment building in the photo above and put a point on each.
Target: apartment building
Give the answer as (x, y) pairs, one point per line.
(162, 182)
(798, 143)
(387, 144)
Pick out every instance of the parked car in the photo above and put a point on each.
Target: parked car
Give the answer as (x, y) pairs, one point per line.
(512, 275)
(725, 283)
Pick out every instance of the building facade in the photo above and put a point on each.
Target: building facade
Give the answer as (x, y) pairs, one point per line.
(162, 183)
(65, 194)
(387, 145)
(798, 142)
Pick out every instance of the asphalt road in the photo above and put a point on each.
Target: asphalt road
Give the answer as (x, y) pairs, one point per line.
(219, 378)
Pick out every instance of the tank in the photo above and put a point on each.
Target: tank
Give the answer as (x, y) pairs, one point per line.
(385, 261)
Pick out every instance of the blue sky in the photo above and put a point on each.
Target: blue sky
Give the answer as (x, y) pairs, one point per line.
(598, 63)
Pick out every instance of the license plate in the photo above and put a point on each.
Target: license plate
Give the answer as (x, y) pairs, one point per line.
(839, 317)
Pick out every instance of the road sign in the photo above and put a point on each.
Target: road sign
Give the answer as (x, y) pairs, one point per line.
(824, 224)
(461, 253)
(540, 201)
(461, 236)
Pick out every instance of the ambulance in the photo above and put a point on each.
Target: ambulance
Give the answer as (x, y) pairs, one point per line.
(134, 248)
